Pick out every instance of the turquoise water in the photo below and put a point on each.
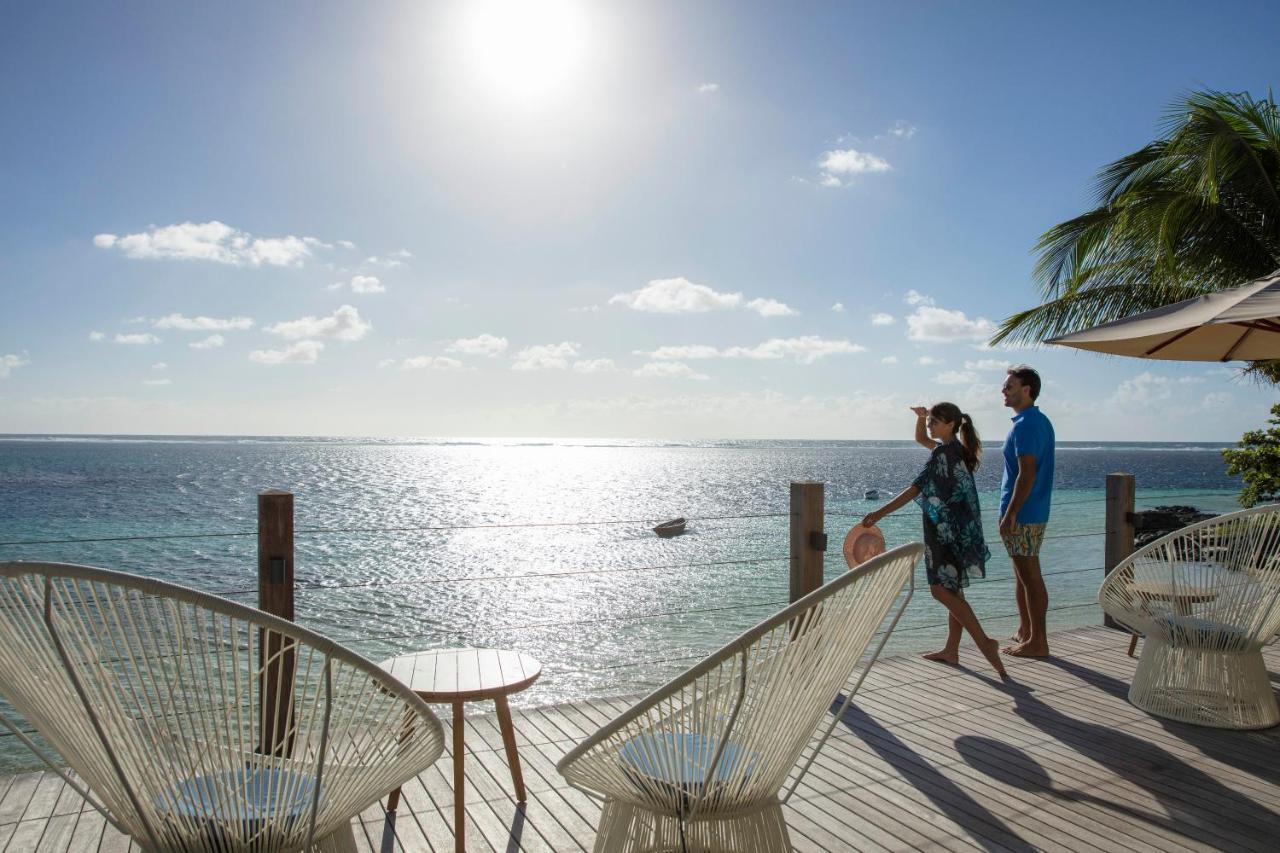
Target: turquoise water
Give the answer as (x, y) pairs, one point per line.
(608, 607)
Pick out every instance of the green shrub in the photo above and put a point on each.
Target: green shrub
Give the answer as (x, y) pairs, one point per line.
(1257, 460)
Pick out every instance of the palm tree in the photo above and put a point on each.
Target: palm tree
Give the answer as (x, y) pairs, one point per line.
(1197, 210)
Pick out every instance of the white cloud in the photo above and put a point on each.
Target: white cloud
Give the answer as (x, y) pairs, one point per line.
(159, 365)
(1217, 401)
(1143, 390)
(546, 356)
(140, 339)
(707, 88)
(211, 342)
(927, 360)
(882, 319)
(429, 362)
(347, 244)
(303, 352)
(595, 365)
(889, 359)
(902, 130)
(9, 363)
(202, 324)
(676, 296)
(678, 353)
(212, 241)
(771, 308)
(389, 263)
(367, 284)
(839, 165)
(956, 377)
(915, 297)
(157, 382)
(344, 325)
(669, 370)
(806, 350)
(988, 364)
(941, 325)
(97, 337)
(486, 344)
(402, 253)
(838, 308)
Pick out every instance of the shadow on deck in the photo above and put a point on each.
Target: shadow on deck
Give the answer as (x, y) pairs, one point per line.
(930, 757)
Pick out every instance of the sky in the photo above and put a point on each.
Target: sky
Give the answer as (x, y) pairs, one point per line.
(576, 219)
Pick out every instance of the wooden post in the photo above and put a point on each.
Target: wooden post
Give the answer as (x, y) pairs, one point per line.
(1119, 543)
(808, 540)
(276, 657)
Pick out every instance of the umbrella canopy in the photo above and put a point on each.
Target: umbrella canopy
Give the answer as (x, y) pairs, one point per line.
(1241, 324)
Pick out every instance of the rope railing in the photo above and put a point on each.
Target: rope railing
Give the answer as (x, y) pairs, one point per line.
(637, 617)
(414, 528)
(325, 586)
(502, 525)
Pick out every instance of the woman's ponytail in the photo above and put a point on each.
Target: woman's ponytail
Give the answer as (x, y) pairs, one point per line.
(970, 441)
(965, 432)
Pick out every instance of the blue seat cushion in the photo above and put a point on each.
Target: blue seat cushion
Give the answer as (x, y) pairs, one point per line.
(236, 796)
(680, 761)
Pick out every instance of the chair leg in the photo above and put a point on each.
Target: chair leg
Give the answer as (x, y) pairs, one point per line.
(1227, 690)
(625, 828)
(340, 841)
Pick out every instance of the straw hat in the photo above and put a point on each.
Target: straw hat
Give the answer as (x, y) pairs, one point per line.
(861, 544)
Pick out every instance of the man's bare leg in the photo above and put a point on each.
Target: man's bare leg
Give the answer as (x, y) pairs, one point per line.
(1024, 612)
(1036, 645)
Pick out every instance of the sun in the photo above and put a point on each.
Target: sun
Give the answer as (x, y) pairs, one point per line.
(524, 53)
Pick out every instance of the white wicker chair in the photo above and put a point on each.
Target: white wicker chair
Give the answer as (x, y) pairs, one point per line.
(156, 696)
(1207, 598)
(699, 764)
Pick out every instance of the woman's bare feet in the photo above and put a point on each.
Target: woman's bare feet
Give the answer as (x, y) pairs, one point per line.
(991, 651)
(943, 656)
(1028, 650)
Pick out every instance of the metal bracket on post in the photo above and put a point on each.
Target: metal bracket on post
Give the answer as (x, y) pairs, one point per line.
(817, 540)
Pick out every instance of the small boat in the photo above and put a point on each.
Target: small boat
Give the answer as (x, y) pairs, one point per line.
(871, 495)
(667, 529)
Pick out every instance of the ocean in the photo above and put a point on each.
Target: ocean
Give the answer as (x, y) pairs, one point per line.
(540, 545)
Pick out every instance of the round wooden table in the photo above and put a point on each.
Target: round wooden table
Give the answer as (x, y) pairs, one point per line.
(457, 676)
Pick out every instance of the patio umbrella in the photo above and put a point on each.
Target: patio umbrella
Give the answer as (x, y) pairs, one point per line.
(1241, 324)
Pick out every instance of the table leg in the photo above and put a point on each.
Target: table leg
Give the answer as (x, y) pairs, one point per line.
(509, 741)
(459, 781)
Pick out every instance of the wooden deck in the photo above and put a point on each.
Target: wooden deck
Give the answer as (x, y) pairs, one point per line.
(930, 758)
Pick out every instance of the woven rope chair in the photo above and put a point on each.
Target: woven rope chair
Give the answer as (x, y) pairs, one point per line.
(699, 764)
(161, 699)
(1207, 598)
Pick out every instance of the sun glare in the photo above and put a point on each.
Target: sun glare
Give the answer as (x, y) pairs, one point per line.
(526, 52)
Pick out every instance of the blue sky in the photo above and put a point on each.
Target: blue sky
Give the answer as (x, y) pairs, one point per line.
(600, 219)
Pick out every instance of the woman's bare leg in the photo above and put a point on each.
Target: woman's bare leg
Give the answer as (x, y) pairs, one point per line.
(962, 615)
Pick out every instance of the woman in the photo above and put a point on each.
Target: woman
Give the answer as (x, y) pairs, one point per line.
(954, 547)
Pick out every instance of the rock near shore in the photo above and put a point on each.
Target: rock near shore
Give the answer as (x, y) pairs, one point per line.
(1151, 524)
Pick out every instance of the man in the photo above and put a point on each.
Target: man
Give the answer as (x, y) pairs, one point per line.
(1025, 492)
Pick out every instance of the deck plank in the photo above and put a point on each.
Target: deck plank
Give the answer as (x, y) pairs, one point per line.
(928, 758)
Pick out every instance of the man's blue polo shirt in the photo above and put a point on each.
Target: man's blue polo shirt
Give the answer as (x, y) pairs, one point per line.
(1031, 435)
